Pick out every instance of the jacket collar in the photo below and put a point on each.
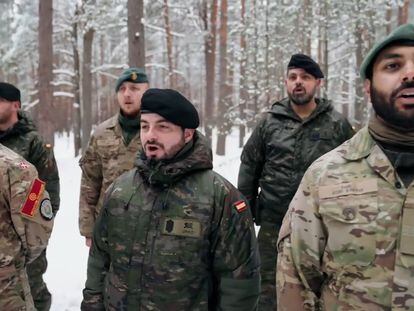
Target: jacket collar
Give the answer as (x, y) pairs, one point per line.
(284, 108)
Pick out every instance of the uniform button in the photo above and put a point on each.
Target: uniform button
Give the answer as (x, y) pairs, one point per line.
(398, 185)
(349, 213)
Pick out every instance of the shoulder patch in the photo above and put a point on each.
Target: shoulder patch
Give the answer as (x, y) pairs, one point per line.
(32, 200)
(23, 165)
(240, 206)
(46, 209)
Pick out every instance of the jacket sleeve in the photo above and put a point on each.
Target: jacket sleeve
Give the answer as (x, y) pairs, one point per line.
(98, 265)
(90, 189)
(301, 246)
(236, 262)
(345, 131)
(42, 157)
(252, 161)
(26, 200)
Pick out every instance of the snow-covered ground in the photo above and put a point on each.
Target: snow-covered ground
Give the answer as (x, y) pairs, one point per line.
(67, 253)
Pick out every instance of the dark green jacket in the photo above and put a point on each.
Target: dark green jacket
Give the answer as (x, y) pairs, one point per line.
(280, 149)
(24, 139)
(173, 236)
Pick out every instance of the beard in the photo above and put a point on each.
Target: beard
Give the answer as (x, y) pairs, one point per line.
(301, 99)
(387, 110)
(169, 153)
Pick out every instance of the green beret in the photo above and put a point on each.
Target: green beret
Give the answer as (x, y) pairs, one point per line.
(402, 33)
(133, 74)
(172, 106)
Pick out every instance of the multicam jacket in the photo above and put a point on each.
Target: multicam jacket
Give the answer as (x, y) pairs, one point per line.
(347, 242)
(24, 232)
(106, 157)
(280, 149)
(174, 236)
(24, 139)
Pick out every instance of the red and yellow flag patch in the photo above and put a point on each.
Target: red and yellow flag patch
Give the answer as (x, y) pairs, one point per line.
(240, 206)
(32, 200)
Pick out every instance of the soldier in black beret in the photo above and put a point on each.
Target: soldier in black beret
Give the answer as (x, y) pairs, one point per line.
(174, 208)
(294, 132)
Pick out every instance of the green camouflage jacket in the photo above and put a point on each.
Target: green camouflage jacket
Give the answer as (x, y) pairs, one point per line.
(24, 233)
(106, 158)
(24, 139)
(174, 236)
(347, 242)
(280, 149)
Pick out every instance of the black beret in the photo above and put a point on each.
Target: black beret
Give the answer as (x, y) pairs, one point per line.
(306, 63)
(172, 106)
(133, 74)
(9, 92)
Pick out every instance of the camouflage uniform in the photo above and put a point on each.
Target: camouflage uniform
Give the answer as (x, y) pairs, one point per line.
(346, 242)
(174, 236)
(24, 233)
(274, 159)
(24, 139)
(106, 158)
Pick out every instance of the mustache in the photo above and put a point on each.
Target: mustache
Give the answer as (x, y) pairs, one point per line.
(404, 85)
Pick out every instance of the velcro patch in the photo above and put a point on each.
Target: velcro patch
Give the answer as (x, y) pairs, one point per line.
(182, 227)
(240, 206)
(46, 209)
(32, 200)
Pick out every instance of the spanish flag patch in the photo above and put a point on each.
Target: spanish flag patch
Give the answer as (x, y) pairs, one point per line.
(32, 200)
(240, 206)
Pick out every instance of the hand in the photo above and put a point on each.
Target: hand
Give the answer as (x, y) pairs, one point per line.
(88, 242)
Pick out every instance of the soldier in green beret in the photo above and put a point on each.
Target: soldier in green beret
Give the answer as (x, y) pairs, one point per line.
(347, 241)
(19, 133)
(172, 233)
(112, 148)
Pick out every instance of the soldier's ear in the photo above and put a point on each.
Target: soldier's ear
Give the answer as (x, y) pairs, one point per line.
(367, 87)
(188, 135)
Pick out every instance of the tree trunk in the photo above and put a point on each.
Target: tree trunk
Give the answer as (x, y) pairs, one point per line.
(87, 87)
(359, 102)
(243, 87)
(45, 71)
(223, 89)
(210, 63)
(388, 16)
(136, 33)
(76, 87)
(167, 25)
(403, 12)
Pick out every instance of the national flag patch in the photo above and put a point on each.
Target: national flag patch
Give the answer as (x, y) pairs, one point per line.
(32, 200)
(240, 206)
(23, 165)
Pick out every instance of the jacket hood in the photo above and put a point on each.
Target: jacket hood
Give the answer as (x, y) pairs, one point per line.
(283, 107)
(23, 126)
(195, 156)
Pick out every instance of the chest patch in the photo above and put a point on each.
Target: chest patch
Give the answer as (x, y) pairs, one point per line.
(181, 227)
(356, 187)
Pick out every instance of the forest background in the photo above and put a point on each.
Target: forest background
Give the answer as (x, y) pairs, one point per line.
(228, 57)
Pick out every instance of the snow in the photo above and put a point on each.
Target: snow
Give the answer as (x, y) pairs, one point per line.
(67, 253)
